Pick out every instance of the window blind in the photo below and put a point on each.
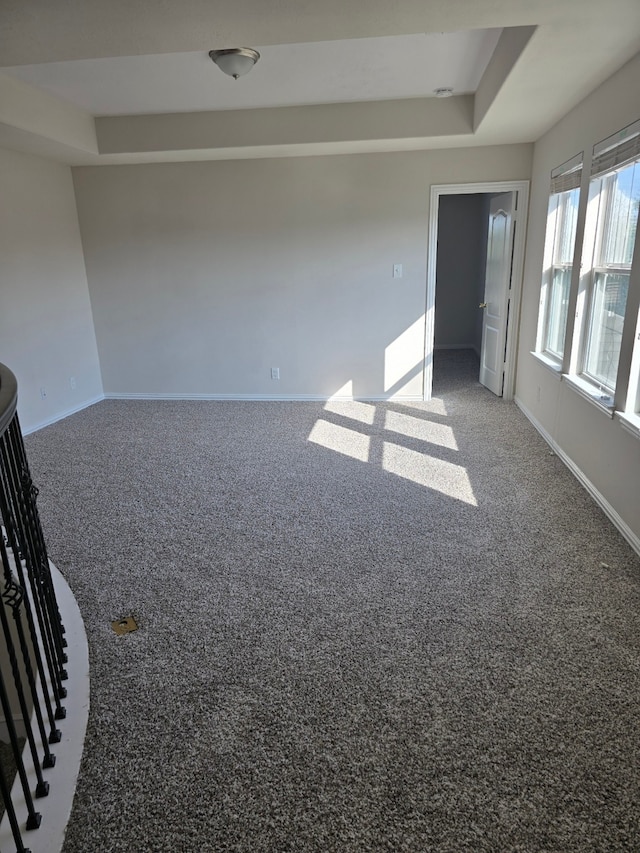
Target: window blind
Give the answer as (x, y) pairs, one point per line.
(616, 151)
(568, 176)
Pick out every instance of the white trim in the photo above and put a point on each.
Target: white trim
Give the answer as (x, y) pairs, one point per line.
(597, 496)
(60, 416)
(630, 422)
(549, 363)
(56, 807)
(520, 223)
(590, 393)
(258, 398)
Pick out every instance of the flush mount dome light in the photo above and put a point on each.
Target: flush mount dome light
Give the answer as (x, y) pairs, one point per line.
(444, 92)
(235, 61)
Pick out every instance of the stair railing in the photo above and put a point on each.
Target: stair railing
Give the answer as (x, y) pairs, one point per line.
(32, 642)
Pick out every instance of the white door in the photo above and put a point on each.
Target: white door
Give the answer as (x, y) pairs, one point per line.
(496, 292)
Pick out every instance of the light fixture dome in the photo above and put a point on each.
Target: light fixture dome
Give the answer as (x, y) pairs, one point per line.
(235, 61)
(443, 92)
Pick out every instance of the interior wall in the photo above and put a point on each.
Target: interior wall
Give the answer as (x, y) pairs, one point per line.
(460, 270)
(46, 328)
(606, 454)
(203, 276)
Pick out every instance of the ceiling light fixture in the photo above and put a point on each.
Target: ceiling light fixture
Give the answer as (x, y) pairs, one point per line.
(235, 61)
(445, 92)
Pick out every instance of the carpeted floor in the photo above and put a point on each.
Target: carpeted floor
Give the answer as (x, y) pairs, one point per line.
(363, 627)
(8, 766)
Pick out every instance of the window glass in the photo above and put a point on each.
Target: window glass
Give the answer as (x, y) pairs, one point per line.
(624, 190)
(605, 327)
(565, 205)
(615, 238)
(558, 309)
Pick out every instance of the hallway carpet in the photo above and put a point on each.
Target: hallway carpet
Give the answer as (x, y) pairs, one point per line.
(362, 627)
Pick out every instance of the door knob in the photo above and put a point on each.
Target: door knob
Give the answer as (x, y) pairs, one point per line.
(482, 305)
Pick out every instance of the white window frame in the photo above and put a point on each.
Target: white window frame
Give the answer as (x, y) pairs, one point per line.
(564, 266)
(570, 171)
(610, 156)
(598, 268)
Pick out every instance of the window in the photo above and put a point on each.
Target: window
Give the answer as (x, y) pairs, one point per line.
(614, 199)
(562, 220)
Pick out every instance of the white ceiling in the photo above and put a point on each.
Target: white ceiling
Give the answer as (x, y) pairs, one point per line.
(99, 81)
(405, 66)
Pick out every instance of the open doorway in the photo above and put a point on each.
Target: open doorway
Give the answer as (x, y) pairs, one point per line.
(476, 248)
(460, 276)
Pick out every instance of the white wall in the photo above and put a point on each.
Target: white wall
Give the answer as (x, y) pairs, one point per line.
(606, 455)
(460, 270)
(46, 327)
(203, 276)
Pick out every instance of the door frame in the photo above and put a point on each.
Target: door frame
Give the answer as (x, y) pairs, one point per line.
(521, 188)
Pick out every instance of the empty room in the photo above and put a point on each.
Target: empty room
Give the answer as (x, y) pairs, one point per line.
(319, 426)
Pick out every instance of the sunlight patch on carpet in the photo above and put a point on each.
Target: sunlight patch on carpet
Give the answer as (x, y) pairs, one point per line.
(362, 412)
(342, 440)
(434, 433)
(437, 474)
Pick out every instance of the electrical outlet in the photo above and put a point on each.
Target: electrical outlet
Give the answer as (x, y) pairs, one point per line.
(275, 373)
(43, 393)
(72, 383)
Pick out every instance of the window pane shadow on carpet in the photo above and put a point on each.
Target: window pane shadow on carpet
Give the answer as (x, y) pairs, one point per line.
(362, 627)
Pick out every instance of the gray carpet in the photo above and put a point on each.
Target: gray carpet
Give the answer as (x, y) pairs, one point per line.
(436, 649)
(8, 766)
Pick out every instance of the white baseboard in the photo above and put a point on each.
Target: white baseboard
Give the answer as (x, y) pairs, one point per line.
(598, 497)
(261, 398)
(401, 398)
(62, 415)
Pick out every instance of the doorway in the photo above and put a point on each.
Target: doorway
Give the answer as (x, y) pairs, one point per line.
(474, 280)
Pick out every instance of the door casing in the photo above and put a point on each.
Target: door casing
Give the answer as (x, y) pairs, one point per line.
(521, 189)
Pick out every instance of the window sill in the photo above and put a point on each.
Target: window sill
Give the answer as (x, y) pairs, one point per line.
(549, 363)
(590, 393)
(630, 422)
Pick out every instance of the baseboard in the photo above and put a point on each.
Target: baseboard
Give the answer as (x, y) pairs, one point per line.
(314, 398)
(60, 416)
(261, 398)
(598, 497)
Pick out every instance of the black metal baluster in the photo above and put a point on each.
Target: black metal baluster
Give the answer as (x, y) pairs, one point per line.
(34, 819)
(11, 812)
(52, 600)
(30, 493)
(34, 640)
(22, 543)
(13, 595)
(54, 736)
(25, 510)
(49, 759)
